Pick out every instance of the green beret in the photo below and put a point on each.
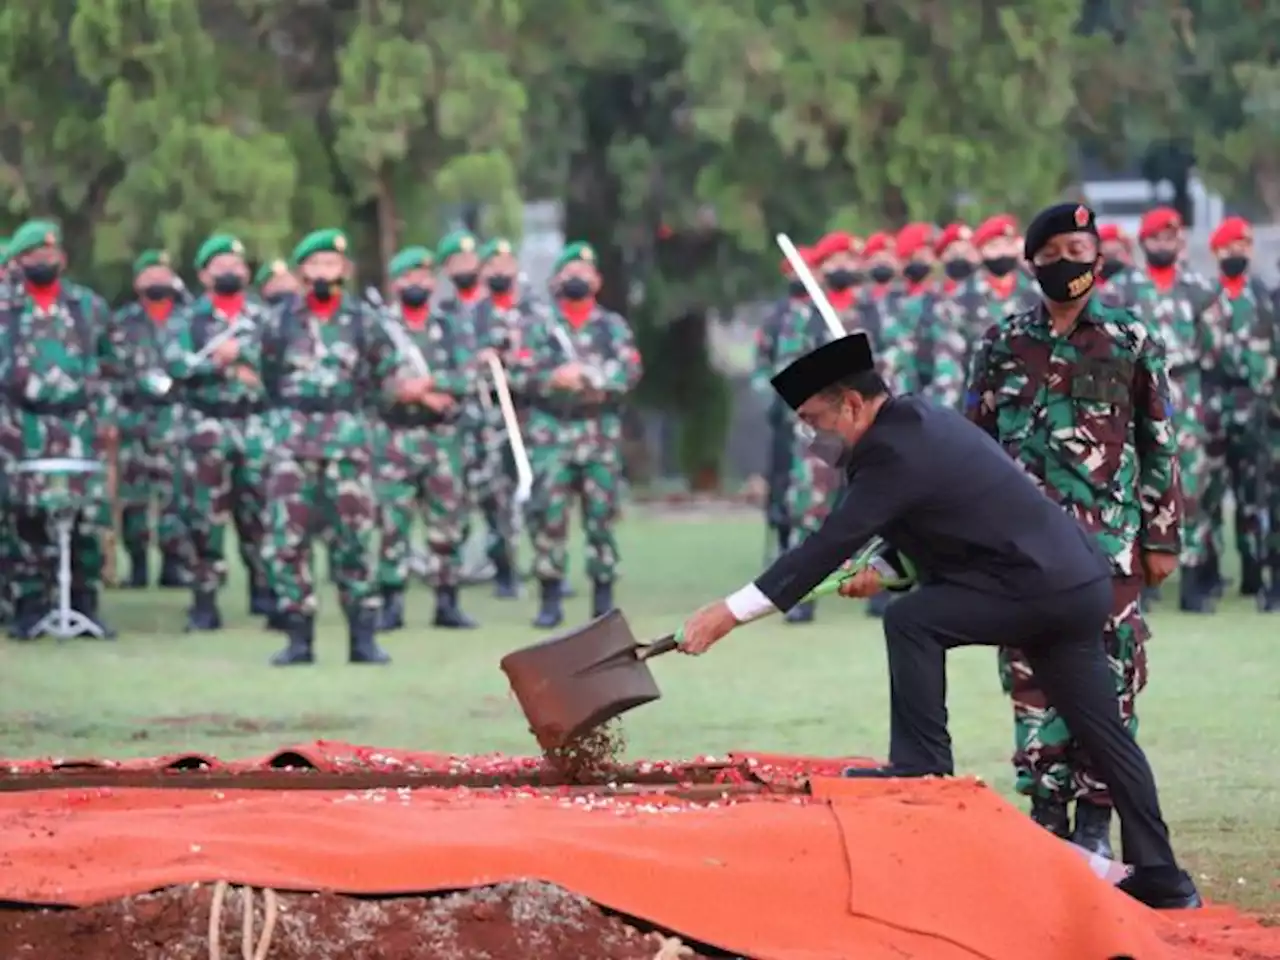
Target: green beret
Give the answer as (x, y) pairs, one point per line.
(150, 258)
(331, 240)
(33, 235)
(460, 241)
(269, 269)
(410, 258)
(216, 245)
(574, 253)
(497, 247)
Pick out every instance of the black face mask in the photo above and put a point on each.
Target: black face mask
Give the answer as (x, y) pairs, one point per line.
(1233, 266)
(958, 269)
(1065, 280)
(796, 288)
(883, 274)
(842, 279)
(1111, 267)
(1162, 258)
(500, 283)
(575, 288)
(1001, 266)
(415, 296)
(325, 289)
(465, 281)
(916, 271)
(227, 284)
(275, 299)
(158, 292)
(41, 274)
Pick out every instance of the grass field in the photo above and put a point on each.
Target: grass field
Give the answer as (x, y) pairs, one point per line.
(1211, 717)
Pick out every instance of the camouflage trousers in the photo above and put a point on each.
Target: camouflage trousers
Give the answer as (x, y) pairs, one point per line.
(147, 482)
(1194, 467)
(1234, 453)
(31, 561)
(420, 476)
(594, 472)
(490, 480)
(811, 487)
(1047, 761)
(335, 498)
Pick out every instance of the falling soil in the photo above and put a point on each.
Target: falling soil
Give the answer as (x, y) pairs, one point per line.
(514, 921)
(591, 757)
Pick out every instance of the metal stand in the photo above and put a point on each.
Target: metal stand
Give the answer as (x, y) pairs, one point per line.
(65, 623)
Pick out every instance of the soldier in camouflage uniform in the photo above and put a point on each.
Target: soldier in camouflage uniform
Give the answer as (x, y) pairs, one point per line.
(781, 421)
(1121, 280)
(325, 362)
(276, 284)
(8, 539)
(223, 442)
(578, 362)
(906, 335)
(1076, 391)
(944, 344)
(56, 362)
(876, 297)
(1241, 309)
(148, 424)
(1174, 311)
(418, 455)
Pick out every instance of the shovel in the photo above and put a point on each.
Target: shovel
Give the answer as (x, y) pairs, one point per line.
(579, 680)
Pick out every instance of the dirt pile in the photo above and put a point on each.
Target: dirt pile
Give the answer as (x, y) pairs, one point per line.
(516, 921)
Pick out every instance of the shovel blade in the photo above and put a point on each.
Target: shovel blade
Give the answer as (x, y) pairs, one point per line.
(579, 680)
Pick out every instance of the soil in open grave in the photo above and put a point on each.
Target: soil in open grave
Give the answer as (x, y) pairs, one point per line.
(514, 921)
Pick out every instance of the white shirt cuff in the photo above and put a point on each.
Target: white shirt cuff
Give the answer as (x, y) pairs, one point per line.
(749, 604)
(883, 567)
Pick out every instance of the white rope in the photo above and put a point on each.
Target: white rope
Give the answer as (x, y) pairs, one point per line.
(247, 949)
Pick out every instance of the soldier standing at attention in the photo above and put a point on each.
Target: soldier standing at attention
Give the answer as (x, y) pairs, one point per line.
(1241, 308)
(499, 320)
(577, 367)
(944, 343)
(1178, 301)
(1120, 277)
(1075, 390)
(875, 298)
(148, 423)
(905, 338)
(223, 443)
(418, 462)
(325, 361)
(60, 405)
(793, 310)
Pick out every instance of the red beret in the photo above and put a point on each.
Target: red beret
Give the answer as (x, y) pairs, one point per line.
(1158, 221)
(913, 237)
(995, 228)
(952, 233)
(877, 243)
(1110, 232)
(833, 244)
(1229, 231)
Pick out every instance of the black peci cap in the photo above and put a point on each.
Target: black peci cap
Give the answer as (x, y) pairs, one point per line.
(823, 368)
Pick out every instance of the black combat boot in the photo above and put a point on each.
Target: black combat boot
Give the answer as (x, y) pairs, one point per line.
(261, 600)
(172, 572)
(1093, 829)
(85, 601)
(276, 621)
(1194, 591)
(449, 614)
(1215, 583)
(27, 614)
(1052, 815)
(299, 650)
(550, 610)
(601, 598)
(1250, 577)
(203, 614)
(139, 576)
(362, 637)
(1269, 596)
(391, 617)
(505, 586)
(803, 612)
(878, 603)
(784, 539)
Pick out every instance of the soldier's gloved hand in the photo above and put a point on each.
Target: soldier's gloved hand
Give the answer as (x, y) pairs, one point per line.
(567, 377)
(226, 352)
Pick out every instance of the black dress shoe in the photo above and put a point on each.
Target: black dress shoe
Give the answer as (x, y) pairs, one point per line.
(889, 772)
(1162, 888)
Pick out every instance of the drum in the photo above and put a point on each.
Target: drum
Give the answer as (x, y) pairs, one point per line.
(57, 484)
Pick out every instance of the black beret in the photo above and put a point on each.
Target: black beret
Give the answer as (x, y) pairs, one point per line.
(1057, 220)
(823, 368)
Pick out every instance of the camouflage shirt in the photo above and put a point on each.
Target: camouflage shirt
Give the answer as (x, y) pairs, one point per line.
(443, 343)
(322, 377)
(1192, 344)
(209, 390)
(1087, 415)
(1242, 367)
(936, 351)
(977, 304)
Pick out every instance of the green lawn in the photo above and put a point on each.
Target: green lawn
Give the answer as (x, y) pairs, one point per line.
(1211, 717)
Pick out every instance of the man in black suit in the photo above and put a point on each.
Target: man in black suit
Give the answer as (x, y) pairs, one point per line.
(998, 564)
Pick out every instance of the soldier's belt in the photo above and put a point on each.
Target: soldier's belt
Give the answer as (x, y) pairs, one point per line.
(577, 409)
(1178, 371)
(409, 416)
(143, 401)
(60, 408)
(323, 404)
(227, 409)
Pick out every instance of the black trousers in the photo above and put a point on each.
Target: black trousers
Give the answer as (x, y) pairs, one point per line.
(1061, 636)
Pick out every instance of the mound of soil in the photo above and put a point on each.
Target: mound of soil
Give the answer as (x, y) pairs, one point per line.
(515, 921)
